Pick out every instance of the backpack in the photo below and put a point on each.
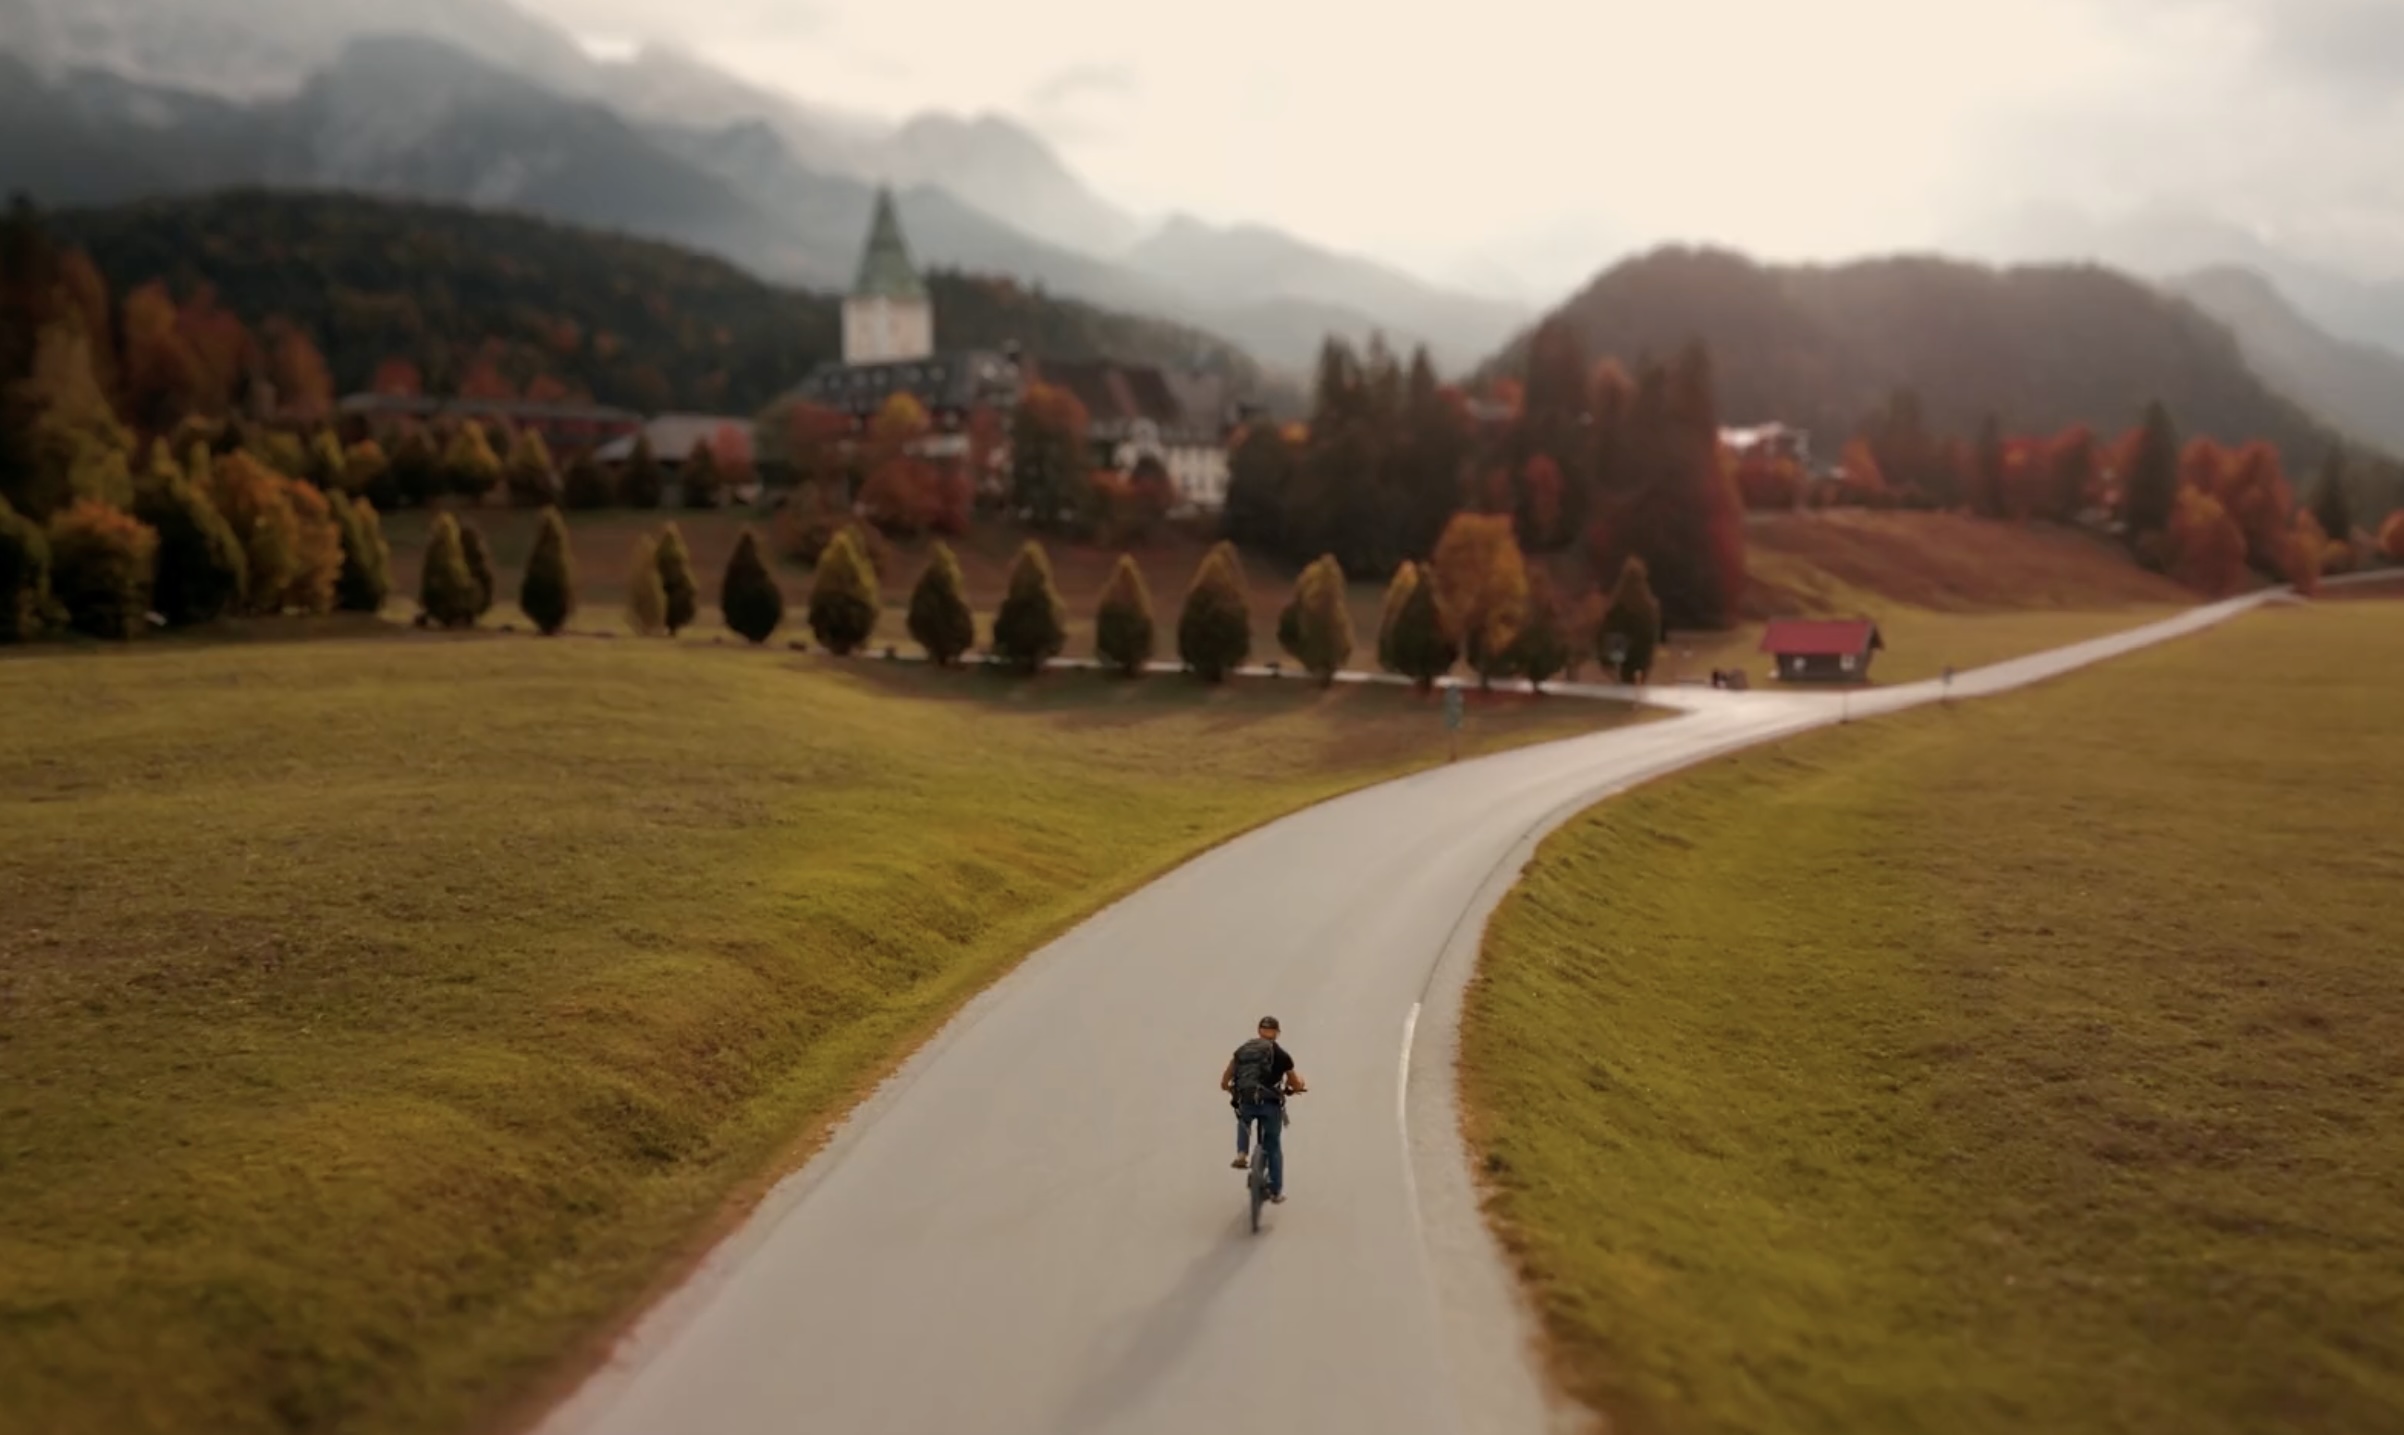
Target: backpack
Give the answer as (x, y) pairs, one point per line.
(1255, 1073)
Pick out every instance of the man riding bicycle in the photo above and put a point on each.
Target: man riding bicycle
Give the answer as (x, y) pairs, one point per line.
(1257, 1080)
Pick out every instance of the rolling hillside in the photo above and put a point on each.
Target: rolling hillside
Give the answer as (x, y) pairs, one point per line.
(2042, 347)
(630, 321)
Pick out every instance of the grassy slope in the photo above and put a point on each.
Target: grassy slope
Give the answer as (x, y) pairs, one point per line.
(2029, 1065)
(378, 1019)
(1946, 589)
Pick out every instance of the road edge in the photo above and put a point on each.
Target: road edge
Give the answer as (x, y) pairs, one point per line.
(1495, 1339)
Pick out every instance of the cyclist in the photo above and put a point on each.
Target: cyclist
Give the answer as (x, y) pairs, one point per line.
(1257, 1080)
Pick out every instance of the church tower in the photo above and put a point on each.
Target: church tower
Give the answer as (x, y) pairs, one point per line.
(888, 318)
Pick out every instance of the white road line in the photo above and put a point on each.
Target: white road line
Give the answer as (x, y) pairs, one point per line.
(1402, 1084)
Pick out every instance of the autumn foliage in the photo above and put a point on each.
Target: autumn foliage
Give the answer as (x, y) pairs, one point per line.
(940, 620)
(1481, 586)
(2391, 537)
(1123, 628)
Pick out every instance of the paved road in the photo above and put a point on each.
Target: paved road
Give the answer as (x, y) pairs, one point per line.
(1033, 1229)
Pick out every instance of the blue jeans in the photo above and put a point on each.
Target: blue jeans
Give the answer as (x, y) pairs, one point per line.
(1272, 1140)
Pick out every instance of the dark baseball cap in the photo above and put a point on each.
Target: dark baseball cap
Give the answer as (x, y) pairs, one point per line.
(1269, 1023)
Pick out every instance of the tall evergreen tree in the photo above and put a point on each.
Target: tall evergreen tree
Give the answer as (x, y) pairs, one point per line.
(2330, 503)
(2150, 488)
(700, 478)
(940, 619)
(548, 592)
(1986, 470)
(676, 580)
(1214, 630)
(1031, 627)
(1323, 620)
(202, 569)
(1398, 592)
(478, 554)
(447, 587)
(1634, 618)
(642, 485)
(749, 598)
(366, 578)
(24, 576)
(646, 597)
(1123, 630)
(1542, 648)
(843, 597)
(1423, 645)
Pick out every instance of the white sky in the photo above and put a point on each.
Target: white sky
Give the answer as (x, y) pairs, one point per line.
(1792, 128)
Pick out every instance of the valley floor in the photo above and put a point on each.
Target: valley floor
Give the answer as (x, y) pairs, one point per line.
(2032, 1064)
(380, 1021)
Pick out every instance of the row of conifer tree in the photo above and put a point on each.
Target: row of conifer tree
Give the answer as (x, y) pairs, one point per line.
(1421, 635)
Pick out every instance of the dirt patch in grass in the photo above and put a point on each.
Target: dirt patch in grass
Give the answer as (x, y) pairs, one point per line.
(2034, 1064)
(379, 1020)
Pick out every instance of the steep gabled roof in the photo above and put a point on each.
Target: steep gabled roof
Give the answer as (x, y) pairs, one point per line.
(1816, 638)
(885, 268)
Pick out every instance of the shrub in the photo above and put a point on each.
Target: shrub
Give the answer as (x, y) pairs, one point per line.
(646, 597)
(256, 504)
(586, 484)
(1122, 628)
(1634, 617)
(1423, 647)
(641, 485)
(24, 576)
(366, 558)
(364, 470)
(317, 565)
(547, 594)
(447, 588)
(100, 565)
(1032, 625)
(2391, 537)
(676, 583)
(1542, 648)
(699, 478)
(533, 479)
(1482, 586)
(469, 467)
(1398, 592)
(414, 475)
(748, 597)
(843, 597)
(479, 565)
(201, 566)
(1323, 624)
(1214, 631)
(328, 467)
(940, 619)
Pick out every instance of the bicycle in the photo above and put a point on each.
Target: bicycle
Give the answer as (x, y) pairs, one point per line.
(1256, 1171)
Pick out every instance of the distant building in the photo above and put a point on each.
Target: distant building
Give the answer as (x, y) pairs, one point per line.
(1777, 440)
(1821, 650)
(1139, 412)
(1135, 411)
(672, 438)
(566, 428)
(888, 318)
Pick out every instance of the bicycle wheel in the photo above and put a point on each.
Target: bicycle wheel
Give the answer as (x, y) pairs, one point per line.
(1257, 1180)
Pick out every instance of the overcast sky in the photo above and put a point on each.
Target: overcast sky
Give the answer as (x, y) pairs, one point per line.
(1793, 128)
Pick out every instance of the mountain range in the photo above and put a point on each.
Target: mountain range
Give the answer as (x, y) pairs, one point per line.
(474, 101)
(478, 103)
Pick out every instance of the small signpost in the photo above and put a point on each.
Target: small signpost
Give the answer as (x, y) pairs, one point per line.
(1949, 682)
(1453, 713)
(1616, 649)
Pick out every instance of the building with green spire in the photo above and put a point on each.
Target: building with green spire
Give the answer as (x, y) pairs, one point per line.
(888, 318)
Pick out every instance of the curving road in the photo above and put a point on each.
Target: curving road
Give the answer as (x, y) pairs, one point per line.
(1033, 1230)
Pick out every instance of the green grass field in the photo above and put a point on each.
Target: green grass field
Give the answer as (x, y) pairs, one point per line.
(379, 1021)
(2028, 1065)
